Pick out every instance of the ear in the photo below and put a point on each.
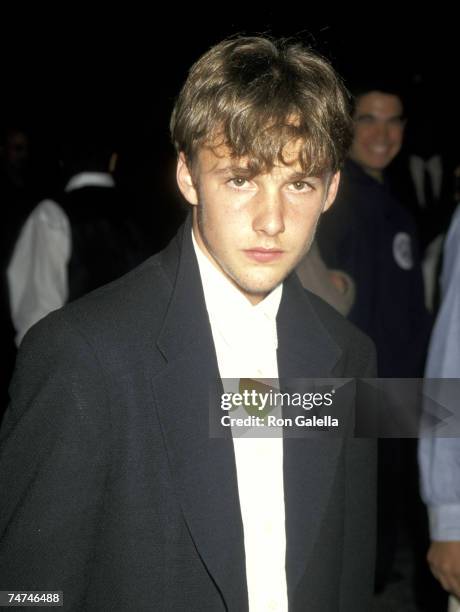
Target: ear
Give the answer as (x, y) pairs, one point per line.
(185, 181)
(332, 190)
(113, 162)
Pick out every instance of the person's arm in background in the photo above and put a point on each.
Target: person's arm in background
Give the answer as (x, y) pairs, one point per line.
(334, 286)
(440, 472)
(37, 272)
(439, 458)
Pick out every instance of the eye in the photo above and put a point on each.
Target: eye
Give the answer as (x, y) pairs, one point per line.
(301, 186)
(238, 181)
(366, 120)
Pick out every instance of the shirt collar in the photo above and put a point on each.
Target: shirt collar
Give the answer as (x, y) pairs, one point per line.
(90, 179)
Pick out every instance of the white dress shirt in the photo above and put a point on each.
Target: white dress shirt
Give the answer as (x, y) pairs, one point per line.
(433, 166)
(245, 339)
(37, 272)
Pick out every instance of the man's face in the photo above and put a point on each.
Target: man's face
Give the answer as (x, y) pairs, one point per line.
(379, 129)
(17, 149)
(254, 229)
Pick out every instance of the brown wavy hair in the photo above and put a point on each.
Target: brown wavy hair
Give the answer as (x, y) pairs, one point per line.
(255, 95)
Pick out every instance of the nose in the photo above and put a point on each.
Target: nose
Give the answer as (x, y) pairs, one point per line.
(381, 131)
(268, 216)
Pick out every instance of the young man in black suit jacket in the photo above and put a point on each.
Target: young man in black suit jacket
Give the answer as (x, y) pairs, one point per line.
(113, 489)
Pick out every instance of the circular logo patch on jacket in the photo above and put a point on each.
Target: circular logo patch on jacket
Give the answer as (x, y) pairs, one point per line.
(402, 251)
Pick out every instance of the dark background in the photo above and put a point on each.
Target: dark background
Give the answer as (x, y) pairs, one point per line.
(118, 71)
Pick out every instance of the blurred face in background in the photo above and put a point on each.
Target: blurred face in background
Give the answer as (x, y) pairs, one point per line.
(378, 131)
(17, 149)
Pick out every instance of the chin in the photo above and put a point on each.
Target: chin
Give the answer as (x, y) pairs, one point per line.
(260, 289)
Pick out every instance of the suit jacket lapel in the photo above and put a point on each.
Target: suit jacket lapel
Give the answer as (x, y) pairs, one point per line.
(203, 468)
(305, 350)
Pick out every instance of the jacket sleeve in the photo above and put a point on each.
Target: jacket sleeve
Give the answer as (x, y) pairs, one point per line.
(357, 579)
(54, 461)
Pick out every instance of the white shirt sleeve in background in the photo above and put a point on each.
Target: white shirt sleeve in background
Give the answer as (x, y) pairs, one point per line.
(37, 273)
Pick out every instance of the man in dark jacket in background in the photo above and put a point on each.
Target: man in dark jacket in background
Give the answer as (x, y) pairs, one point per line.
(373, 238)
(76, 241)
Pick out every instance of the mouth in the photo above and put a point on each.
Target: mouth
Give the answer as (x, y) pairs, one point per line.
(264, 255)
(379, 150)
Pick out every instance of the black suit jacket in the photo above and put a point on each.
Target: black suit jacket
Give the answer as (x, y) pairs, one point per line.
(113, 490)
(105, 240)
